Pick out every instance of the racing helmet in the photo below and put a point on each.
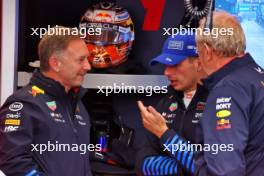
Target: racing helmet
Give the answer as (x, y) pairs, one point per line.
(113, 35)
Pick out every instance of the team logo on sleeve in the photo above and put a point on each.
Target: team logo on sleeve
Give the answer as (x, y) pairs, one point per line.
(36, 90)
(10, 128)
(12, 122)
(223, 103)
(173, 106)
(52, 105)
(223, 112)
(16, 106)
(223, 124)
(15, 115)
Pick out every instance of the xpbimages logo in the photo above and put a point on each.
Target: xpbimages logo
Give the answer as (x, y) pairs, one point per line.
(122, 88)
(214, 32)
(213, 148)
(57, 147)
(83, 31)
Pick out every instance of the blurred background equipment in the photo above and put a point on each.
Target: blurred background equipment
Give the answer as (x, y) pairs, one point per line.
(250, 14)
(194, 11)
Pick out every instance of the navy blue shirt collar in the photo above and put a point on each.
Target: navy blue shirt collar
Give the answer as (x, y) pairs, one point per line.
(236, 63)
(54, 88)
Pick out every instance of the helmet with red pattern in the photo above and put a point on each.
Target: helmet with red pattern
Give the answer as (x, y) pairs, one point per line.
(113, 37)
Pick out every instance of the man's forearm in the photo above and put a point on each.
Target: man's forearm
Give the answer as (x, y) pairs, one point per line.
(159, 165)
(177, 148)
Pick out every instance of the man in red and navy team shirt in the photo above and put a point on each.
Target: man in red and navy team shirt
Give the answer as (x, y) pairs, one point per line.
(233, 117)
(180, 110)
(49, 110)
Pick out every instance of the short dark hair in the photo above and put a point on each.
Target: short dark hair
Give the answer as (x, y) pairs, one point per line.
(55, 41)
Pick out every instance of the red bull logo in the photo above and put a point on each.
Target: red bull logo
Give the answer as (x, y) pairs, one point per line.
(103, 16)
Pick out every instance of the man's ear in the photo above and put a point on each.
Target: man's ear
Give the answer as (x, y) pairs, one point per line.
(200, 70)
(198, 65)
(208, 52)
(54, 64)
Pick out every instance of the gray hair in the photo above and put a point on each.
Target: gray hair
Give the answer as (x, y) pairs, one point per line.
(228, 44)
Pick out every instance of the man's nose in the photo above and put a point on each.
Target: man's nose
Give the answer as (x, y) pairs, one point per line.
(167, 70)
(87, 65)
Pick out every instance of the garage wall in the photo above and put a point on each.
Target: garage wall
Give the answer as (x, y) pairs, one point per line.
(9, 47)
(0, 43)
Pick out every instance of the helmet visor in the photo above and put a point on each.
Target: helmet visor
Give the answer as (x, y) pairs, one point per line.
(110, 34)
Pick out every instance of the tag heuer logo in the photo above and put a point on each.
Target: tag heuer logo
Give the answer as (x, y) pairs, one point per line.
(52, 105)
(173, 106)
